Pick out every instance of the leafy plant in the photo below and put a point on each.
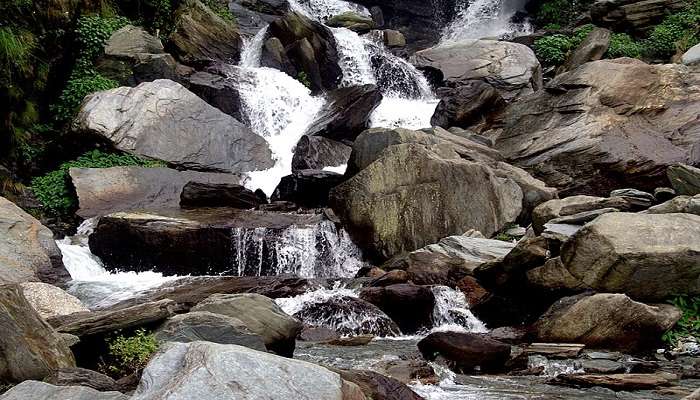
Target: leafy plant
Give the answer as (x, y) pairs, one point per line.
(221, 10)
(552, 49)
(689, 324)
(304, 79)
(623, 45)
(75, 91)
(16, 48)
(130, 354)
(562, 13)
(677, 32)
(55, 191)
(92, 31)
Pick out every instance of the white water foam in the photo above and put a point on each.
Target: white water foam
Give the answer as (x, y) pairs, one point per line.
(397, 112)
(340, 169)
(452, 312)
(292, 305)
(479, 19)
(355, 60)
(322, 10)
(252, 49)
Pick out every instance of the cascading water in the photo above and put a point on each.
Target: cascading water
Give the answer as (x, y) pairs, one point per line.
(477, 19)
(451, 312)
(355, 60)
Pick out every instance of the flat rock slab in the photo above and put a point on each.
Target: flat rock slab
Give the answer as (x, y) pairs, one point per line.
(43, 391)
(625, 382)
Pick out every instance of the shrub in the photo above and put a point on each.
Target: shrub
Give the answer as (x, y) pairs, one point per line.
(16, 48)
(689, 324)
(552, 49)
(130, 354)
(622, 45)
(304, 79)
(56, 193)
(75, 91)
(677, 32)
(92, 32)
(562, 13)
(220, 9)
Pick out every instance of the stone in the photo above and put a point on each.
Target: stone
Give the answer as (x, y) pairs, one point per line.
(353, 21)
(206, 370)
(30, 348)
(44, 391)
(602, 366)
(359, 340)
(317, 334)
(593, 48)
(49, 300)
(685, 179)
(474, 293)
(662, 194)
(348, 316)
(261, 315)
(646, 256)
(200, 35)
(410, 306)
(692, 56)
(140, 120)
(449, 260)
(604, 125)
(390, 278)
(376, 386)
(82, 377)
(318, 152)
(393, 38)
(218, 86)
(407, 371)
(635, 15)
(639, 200)
(511, 68)
(680, 204)
(27, 249)
(204, 194)
(466, 105)
(604, 320)
(103, 191)
(465, 351)
(573, 205)
(346, 112)
(130, 40)
(626, 382)
(554, 276)
(580, 218)
(303, 46)
(307, 188)
(208, 327)
(555, 350)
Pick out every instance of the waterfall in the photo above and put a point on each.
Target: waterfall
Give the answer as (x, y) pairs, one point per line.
(355, 60)
(322, 10)
(252, 49)
(452, 313)
(478, 19)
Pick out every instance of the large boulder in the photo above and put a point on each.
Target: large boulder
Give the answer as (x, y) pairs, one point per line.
(261, 315)
(411, 306)
(646, 256)
(103, 191)
(511, 68)
(307, 188)
(27, 249)
(415, 188)
(165, 121)
(348, 316)
(605, 320)
(30, 348)
(635, 15)
(607, 124)
(465, 352)
(297, 44)
(555, 209)
(49, 300)
(692, 56)
(205, 194)
(346, 112)
(376, 386)
(679, 204)
(218, 86)
(82, 377)
(45, 391)
(203, 370)
(201, 36)
(317, 152)
(685, 179)
(466, 105)
(208, 327)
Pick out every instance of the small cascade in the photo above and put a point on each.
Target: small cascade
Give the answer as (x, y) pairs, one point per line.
(252, 49)
(451, 312)
(322, 10)
(486, 19)
(317, 251)
(355, 60)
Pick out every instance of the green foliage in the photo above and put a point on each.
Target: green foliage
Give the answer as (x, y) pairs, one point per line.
(55, 191)
(220, 9)
(16, 48)
(677, 32)
(562, 13)
(75, 91)
(622, 45)
(689, 324)
(304, 79)
(92, 31)
(130, 354)
(552, 49)
(162, 14)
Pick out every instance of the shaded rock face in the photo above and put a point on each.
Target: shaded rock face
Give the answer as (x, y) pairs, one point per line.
(511, 68)
(208, 327)
(411, 306)
(261, 315)
(49, 300)
(208, 370)
(634, 15)
(466, 105)
(82, 377)
(346, 112)
(680, 204)
(349, 316)
(646, 256)
(217, 86)
(46, 391)
(141, 120)
(379, 387)
(610, 321)
(605, 125)
(27, 249)
(685, 179)
(103, 191)
(317, 152)
(465, 351)
(555, 209)
(30, 347)
(307, 188)
(306, 46)
(251, 16)
(203, 194)
(201, 36)
(593, 48)
(353, 21)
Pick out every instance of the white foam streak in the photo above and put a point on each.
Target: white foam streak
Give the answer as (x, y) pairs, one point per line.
(252, 49)
(395, 112)
(340, 169)
(322, 10)
(486, 19)
(354, 60)
(292, 305)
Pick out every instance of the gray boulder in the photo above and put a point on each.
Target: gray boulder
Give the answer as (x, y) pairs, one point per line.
(318, 152)
(511, 68)
(45, 391)
(604, 320)
(346, 112)
(685, 179)
(49, 300)
(131, 40)
(680, 204)
(646, 256)
(604, 125)
(203, 370)
(572, 205)
(261, 315)
(353, 21)
(165, 121)
(30, 348)
(82, 377)
(466, 105)
(208, 327)
(27, 249)
(593, 47)
(692, 56)
(103, 191)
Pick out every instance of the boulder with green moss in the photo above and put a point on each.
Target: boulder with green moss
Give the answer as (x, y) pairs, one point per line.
(353, 21)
